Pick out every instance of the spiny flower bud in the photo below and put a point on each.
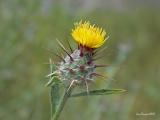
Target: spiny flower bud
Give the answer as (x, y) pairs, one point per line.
(80, 68)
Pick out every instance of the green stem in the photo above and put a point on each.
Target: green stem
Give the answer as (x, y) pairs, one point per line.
(62, 102)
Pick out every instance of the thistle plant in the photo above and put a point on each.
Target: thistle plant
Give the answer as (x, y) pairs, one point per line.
(77, 68)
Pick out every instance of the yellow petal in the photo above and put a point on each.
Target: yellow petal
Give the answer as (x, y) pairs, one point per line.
(88, 35)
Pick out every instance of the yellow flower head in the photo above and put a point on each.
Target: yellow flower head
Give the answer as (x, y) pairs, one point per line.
(88, 35)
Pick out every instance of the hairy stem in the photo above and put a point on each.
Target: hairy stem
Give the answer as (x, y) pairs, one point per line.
(62, 102)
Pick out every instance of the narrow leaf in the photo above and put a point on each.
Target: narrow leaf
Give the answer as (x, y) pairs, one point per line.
(54, 89)
(99, 92)
(55, 97)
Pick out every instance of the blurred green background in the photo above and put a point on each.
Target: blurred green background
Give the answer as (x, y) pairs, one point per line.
(29, 27)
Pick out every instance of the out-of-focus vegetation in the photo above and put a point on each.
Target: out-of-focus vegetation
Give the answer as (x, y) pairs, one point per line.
(28, 27)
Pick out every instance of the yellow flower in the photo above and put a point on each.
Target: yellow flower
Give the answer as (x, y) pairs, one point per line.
(88, 35)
